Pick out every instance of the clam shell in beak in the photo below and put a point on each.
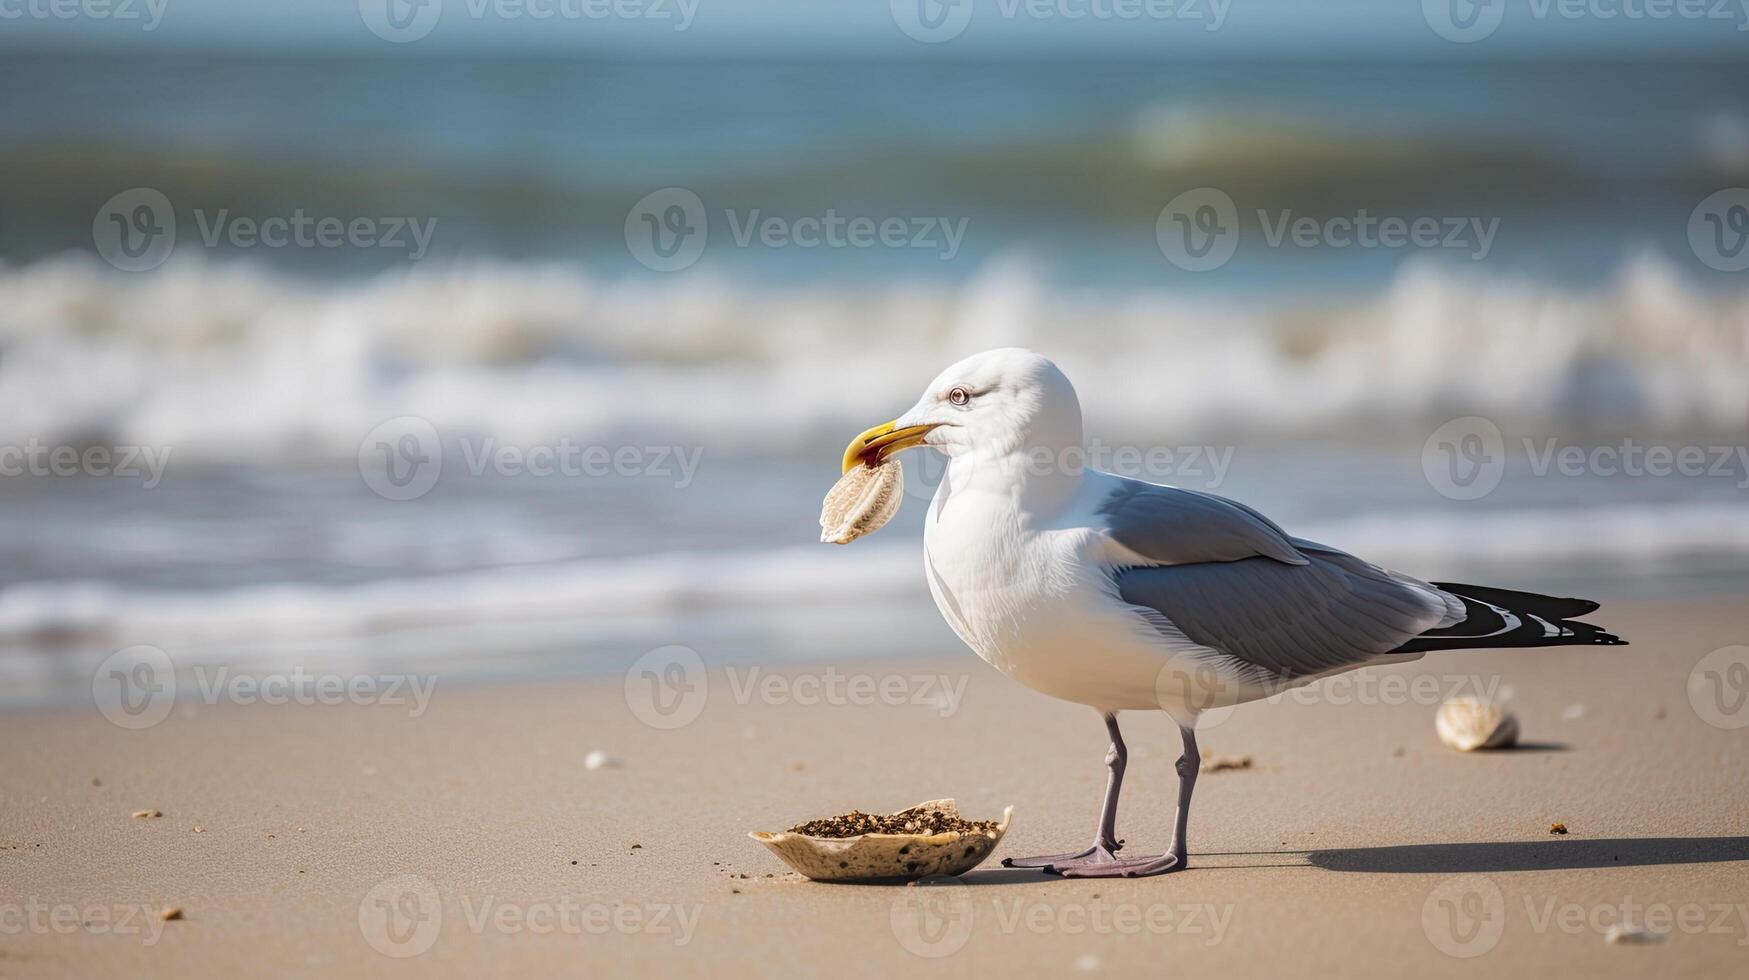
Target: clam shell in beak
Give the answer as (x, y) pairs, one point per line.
(862, 501)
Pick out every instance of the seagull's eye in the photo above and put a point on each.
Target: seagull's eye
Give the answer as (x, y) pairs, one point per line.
(959, 396)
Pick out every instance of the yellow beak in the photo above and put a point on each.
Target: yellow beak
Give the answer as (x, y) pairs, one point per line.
(874, 446)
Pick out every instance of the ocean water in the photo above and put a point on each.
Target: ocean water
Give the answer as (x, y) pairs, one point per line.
(621, 458)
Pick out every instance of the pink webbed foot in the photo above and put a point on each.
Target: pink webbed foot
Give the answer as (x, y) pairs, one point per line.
(1098, 854)
(1137, 868)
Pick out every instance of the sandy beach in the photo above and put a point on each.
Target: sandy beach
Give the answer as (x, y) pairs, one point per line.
(469, 837)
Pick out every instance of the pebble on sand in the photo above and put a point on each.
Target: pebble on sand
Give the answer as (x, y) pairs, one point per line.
(1628, 934)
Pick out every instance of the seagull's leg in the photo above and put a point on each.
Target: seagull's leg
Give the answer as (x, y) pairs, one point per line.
(1105, 842)
(1189, 764)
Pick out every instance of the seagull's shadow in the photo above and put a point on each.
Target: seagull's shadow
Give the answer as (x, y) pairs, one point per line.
(1555, 854)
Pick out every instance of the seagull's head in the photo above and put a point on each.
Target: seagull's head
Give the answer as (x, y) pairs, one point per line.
(988, 406)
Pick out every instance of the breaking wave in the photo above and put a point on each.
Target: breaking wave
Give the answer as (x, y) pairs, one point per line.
(235, 362)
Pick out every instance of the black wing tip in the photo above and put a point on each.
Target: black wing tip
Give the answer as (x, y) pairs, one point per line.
(1556, 607)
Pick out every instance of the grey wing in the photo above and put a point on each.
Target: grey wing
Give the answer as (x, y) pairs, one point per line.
(1283, 622)
(1176, 527)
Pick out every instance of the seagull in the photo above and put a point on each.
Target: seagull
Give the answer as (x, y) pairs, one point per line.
(1127, 596)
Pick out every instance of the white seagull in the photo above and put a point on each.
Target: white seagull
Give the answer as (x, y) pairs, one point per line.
(1124, 595)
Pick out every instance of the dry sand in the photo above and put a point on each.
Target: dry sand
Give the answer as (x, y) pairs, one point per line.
(1356, 845)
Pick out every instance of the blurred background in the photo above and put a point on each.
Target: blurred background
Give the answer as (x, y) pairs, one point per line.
(518, 337)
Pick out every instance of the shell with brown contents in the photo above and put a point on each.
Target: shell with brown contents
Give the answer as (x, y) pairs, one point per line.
(874, 858)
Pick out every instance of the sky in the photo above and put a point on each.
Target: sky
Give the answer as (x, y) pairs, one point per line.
(1225, 29)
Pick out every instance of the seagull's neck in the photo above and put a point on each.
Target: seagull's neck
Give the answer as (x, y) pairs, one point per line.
(1035, 481)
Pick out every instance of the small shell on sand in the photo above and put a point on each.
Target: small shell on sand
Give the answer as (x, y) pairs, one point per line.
(598, 759)
(1467, 724)
(873, 858)
(861, 502)
(147, 814)
(170, 914)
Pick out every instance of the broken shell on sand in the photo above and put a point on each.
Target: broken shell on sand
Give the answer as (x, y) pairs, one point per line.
(874, 858)
(863, 499)
(1467, 724)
